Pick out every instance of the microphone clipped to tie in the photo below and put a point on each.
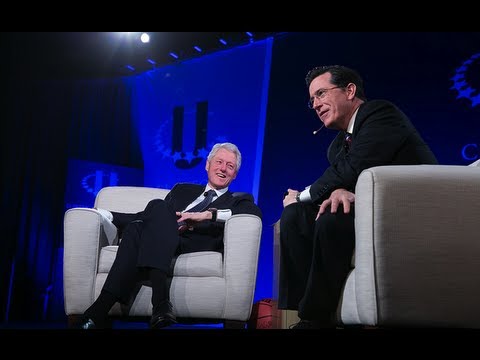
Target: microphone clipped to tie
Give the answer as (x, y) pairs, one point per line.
(315, 132)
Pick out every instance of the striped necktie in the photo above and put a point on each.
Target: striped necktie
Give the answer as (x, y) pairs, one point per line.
(203, 205)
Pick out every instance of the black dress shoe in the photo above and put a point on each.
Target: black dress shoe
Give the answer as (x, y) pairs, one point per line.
(88, 324)
(302, 325)
(312, 325)
(162, 320)
(163, 317)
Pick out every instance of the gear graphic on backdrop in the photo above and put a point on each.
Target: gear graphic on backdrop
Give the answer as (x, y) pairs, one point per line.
(461, 84)
(161, 139)
(93, 183)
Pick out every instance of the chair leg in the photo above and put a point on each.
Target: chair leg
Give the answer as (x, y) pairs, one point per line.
(73, 321)
(234, 324)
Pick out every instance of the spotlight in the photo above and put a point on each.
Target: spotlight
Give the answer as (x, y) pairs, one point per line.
(145, 38)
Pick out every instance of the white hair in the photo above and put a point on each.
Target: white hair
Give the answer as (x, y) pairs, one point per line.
(227, 146)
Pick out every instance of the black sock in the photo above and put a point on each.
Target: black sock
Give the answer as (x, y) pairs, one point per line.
(159, 290)
(98, 311)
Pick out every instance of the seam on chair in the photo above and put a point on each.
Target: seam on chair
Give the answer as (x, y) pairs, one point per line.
(224, 268)
(257, 256)
(374, 265)
(225, 261)
(97, 257)
(373, 249)
(200, 253)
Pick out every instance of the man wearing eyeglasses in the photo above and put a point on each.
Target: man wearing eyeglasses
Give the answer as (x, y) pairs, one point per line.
(317, 235)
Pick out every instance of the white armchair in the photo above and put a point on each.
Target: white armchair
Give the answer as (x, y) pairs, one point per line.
(417, 251)
(205, 285)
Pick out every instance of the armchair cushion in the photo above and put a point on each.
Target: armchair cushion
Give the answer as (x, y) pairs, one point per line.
(204, 263)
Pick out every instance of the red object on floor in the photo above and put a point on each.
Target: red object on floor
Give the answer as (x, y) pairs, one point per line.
(262, 315)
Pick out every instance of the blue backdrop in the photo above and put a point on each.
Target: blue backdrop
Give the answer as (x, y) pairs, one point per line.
(182, 110)
(161, 123)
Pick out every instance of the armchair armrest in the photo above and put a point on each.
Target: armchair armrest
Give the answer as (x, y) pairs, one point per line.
(417, 245)
(84, 236)
(241, 249)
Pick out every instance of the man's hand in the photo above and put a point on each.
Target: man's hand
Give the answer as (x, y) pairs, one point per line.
(339, 196)
(194, 217)
(290, 198)
(187, 220)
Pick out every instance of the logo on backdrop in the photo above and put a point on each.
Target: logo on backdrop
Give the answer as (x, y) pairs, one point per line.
(192, 125)
(86, 178)
(471, 152)
(463, 81)
(92, 183)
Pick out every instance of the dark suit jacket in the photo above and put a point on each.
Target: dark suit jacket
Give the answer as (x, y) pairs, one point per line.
(382, 135)
(207, 234)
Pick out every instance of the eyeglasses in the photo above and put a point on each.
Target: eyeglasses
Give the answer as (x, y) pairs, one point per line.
(320, 94)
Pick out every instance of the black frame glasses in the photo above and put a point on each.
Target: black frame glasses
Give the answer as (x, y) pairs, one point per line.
(320, 94)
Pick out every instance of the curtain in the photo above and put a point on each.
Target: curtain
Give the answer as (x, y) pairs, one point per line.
(46, 122)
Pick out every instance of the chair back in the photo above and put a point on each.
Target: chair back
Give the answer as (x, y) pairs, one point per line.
(476, 163)
(127, 199)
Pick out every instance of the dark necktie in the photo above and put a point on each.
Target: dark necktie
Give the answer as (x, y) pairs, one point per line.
(201, 206)
(204, 203)
(347, 141)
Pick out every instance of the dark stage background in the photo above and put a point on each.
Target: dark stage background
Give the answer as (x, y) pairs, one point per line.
(47, 121)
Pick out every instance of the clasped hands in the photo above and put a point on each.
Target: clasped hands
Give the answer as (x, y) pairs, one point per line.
(187, 220)
(337, 197)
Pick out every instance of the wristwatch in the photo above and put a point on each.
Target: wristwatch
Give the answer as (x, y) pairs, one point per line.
(214, 214)
(298, 197)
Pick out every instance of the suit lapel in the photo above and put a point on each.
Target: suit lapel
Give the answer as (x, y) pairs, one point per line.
(335, 148)
(222, 201)
(184, 194)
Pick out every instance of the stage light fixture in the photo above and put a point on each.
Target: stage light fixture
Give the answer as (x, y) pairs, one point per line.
(145, 38)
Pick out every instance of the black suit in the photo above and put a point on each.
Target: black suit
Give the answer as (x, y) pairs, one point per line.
(316, 255)
(151, 239)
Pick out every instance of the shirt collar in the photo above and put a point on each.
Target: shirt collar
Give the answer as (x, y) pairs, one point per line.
(351, 124)
(218, 192)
